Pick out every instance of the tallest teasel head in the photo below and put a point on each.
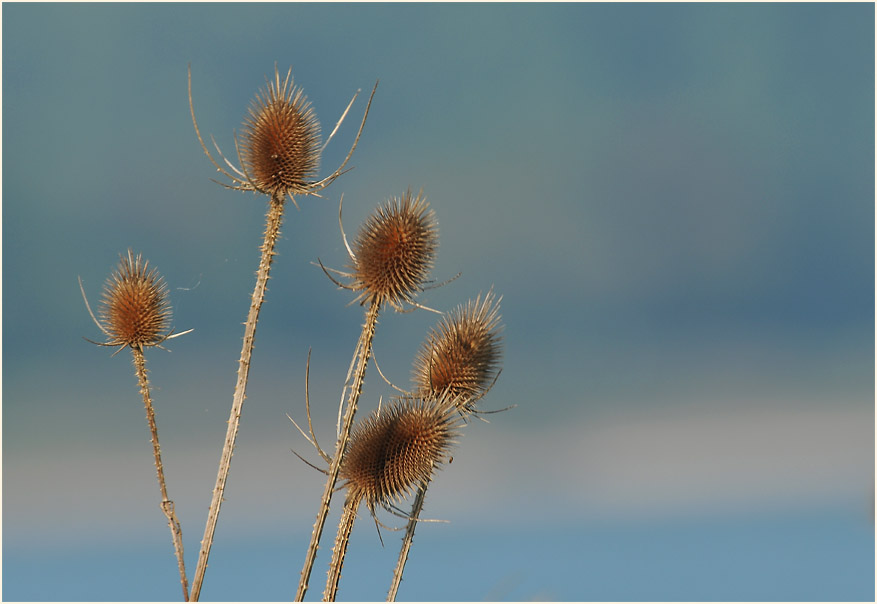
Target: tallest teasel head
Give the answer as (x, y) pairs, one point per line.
(279, 149)
(280, 143)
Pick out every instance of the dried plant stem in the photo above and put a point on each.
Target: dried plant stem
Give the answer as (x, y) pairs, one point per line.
(416, 508)
(167, 506)
(360, 361)
(274, 219)
(345, 526)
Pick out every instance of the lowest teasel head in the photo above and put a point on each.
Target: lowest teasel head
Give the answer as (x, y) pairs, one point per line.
(398, 448)
(394, 251)
(462, 353)
(134, 309)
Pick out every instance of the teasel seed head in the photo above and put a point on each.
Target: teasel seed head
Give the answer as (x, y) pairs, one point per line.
(395, 250)
(462, 353)
(134, 309)
(280, 143)
(397, 448)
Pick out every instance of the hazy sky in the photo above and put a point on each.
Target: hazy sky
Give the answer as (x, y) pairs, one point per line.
(676, 202)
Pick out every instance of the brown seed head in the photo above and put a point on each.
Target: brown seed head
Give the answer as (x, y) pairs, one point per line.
(395, 250)
(280, 143)
(462, 353)
(394, 450)
(135, 310)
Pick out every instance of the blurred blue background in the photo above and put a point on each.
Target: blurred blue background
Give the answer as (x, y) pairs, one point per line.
(676, 203)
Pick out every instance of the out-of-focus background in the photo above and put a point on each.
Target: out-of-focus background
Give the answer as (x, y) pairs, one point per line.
(676, 203)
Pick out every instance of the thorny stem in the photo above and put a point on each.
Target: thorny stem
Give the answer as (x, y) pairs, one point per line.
(360, 358)
(345, 526)
(406, 541)
(273, 219)
(167, 506)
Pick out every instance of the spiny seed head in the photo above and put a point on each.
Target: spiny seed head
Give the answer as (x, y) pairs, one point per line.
(280, 143)
(394, 250)
(135, 310)
(462, 353)
(397, 448)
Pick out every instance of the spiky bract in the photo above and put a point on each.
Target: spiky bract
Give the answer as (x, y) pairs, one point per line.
(135, 310)
(394, 251)
(397, 448)
(462, 353)
(280, 143)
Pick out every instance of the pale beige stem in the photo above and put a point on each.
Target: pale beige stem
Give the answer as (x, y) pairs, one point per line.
(167, 506)
(345, 526)
(360, 357)
(274, 219)
(416, 508)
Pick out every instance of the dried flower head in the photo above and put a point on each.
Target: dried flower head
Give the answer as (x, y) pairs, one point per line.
(280, 143)
(134, 307)
(134, 310)
(279, 150)
(462, 353)
(394, 251)
(397, 448)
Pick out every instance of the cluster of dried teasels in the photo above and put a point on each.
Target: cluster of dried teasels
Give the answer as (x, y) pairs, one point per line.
(392, 454)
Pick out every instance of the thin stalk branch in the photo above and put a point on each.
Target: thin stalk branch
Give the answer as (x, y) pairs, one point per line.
(273, 219)
(345, 526)
(416, 508)
(167, 506)
(353, 390)
(308, 409)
